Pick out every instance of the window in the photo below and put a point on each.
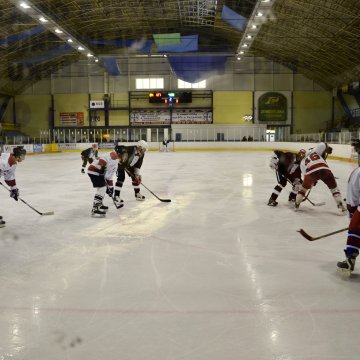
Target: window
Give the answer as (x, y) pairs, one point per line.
(150, 83)
(186, 85)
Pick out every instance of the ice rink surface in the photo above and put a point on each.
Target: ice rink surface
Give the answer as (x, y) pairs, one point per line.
(215, 274)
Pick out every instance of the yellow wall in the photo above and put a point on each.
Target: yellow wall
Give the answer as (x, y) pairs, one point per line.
(312, 111)
(72, 103)
(230, 107)
(32, 113)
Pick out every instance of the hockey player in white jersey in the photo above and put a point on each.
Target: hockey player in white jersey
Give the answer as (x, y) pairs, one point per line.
(314, 168)
(8, 164)
(352, 202)
(101, 172)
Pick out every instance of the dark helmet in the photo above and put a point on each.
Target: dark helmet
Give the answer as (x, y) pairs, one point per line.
(120, 149)
(300, 155)
(19, 151)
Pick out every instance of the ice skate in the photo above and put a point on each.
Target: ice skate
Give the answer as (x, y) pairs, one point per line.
(139, 197)
(119, 203)
(104, 208)
(296, 206)
(97, 212)
(347, 266)
(272, 202)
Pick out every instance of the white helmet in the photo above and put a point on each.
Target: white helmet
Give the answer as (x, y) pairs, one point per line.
(143, 144)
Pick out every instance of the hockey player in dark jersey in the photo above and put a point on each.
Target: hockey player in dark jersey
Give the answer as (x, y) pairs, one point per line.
(287, 167)
(88, 156)
(131, 164)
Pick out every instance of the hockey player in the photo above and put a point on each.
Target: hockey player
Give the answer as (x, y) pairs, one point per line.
(8, 164)
(131, 164)
(88, 156)
(314, 168)
(165, 145)
(101, 172)
(287, 168)
(352, 202)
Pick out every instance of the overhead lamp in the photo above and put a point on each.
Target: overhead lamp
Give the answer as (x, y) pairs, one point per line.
(241, 52)
(96, 60)
(50, 24)
(89, 55)
(238, 58)
(261, 9)
(24, 5)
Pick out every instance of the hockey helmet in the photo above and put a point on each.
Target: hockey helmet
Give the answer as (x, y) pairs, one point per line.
(120, 149)
(356, 144)
(19, 152)
(94, 146)
(143, 144)
(300, 155)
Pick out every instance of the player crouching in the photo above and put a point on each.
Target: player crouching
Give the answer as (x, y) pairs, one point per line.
(101, 172)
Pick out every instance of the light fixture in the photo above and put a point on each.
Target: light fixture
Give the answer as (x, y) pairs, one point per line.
(50, 24)
(89, 55)
(241, 52)
(238, 58)
(261, 9)
(24, 5)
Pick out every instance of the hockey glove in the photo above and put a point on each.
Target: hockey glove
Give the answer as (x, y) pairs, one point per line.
(14, 193)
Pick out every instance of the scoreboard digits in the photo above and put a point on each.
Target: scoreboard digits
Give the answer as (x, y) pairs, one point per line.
(170, 97)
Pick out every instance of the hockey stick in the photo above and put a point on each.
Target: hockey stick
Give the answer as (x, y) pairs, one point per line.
(306, 196)
(162, 200)
(39, 212)
(312, 238)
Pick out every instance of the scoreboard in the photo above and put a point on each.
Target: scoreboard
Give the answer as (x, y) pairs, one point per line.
(170, 97)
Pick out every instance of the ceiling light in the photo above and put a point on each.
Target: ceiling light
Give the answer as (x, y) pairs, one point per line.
(244, 45)
(259, 14)
(254, 26)
(241, 52)
(25, 5)
(249, 37)
(42, 19)
(96, 60)
(58, 31)
(69, 41)
(81, 48)
(89, 55)
(238, 58)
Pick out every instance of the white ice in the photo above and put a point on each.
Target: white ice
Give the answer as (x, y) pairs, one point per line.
(215, 274)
